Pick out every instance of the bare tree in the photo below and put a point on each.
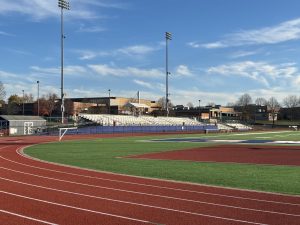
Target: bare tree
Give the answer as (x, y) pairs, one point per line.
(2, 92)
(162, 102)
(291, 102)
(190, 105)
(261, 101)
(48, 103)
(273, 108)
(211, 104)
(28, 98)
(230, 104)
(244, 101)
(51, 102)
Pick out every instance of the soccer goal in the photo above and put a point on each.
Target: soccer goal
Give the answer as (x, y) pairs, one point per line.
(64, 130)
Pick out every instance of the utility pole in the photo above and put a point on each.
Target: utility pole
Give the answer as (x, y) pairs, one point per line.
(38, 98)
(199, 110)
(109, 101)
(168, 38)
(23, 102)
(62, 4)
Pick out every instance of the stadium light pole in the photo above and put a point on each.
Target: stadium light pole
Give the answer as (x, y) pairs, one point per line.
(199, 109)
(168, 38)
(38, 98)
(62, 4)
(23, 102)
(109, 101)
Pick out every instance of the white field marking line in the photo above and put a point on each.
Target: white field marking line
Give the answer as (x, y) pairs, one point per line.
(148, 185)
(128, 218)
(225, 135)
(160, 187)
(4, 147)
(77, 208)
(152, 206)
(26, 217)
(142, 193)
(20, 152)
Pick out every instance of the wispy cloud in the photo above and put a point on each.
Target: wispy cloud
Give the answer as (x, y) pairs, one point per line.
(69, 70)
(5, 75)
(241, 54)
(42, 9)
(92, 29)
(3, 33)
(143, 84)
(286, 31)
(183, 70)
(105, 70)
(135, 51)
(261, 72)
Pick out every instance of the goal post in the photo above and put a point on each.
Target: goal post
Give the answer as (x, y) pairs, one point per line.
(63, 131)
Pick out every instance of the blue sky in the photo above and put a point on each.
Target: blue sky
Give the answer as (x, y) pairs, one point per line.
(220, 50)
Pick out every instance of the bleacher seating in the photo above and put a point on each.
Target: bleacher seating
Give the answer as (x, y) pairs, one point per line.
(222, 126)
(125, 120)
(239, 126)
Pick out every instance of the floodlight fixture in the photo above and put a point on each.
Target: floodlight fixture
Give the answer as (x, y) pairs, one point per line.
(64, 4)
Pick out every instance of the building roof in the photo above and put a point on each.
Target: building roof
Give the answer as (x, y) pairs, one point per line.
(21, 118)
(136, 105)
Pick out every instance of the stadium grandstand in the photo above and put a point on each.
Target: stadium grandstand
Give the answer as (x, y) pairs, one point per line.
(129, 120)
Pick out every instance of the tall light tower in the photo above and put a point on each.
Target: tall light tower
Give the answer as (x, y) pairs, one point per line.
(168, 38)
(109, 101)
(23, 102)
(38, 98)
(62, 4)
(199, 110)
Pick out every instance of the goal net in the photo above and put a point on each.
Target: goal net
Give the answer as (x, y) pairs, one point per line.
(63, 131)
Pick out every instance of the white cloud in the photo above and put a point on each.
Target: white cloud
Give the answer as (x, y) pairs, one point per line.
(135, 51)
(5, 75)
(70, 70)
(143, 84)
(259, 71)
(42, 9)
(93, 29)
(240, 54)
(212, 45)
(194, 44)
(286, 31)
(183, 70)
(105, 70)
(3, 33)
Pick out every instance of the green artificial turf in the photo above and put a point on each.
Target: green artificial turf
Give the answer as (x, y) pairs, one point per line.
(106, 155)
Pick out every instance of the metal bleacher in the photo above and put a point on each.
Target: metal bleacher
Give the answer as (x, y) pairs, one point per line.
(126, 120)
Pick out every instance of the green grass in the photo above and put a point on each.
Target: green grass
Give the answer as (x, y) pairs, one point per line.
(104, 155)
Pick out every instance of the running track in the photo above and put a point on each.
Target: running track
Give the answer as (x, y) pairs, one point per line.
(35, 192)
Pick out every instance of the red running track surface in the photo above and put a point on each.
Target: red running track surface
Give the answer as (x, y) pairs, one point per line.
(35, 192)
(258, 154)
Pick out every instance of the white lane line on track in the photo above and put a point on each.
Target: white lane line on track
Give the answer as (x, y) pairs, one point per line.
(141, 193)
(128, 218)
(20, 152)
(77, 208)
(158, 187)
(26, 217)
